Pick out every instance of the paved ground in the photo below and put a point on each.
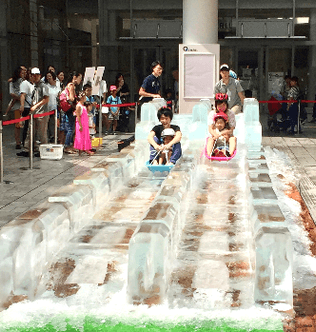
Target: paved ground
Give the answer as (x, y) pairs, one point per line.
(24, 188)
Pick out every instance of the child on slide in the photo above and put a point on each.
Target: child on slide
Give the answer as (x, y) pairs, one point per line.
(225, 144)
(158, 141)
(221, 105)
(165, 156)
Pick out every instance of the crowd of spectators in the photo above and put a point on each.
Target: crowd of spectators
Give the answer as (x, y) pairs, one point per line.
(34, 92)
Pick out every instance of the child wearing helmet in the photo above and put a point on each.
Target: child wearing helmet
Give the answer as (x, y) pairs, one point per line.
(165, 155)
(225, 143)
(221, 105)
(165, 137)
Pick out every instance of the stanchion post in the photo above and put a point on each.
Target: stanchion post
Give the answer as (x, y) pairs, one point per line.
(135, 115)
(298, 116)
(1, 153)
(31, 139)
(55, 115)
(100, 115)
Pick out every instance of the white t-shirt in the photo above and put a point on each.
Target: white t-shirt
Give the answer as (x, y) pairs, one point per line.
(53, 91)
(27, 88)
(14, 88)
(103, 87)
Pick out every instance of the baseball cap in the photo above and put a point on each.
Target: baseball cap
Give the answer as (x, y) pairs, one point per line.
(113, 87)
(224, 67)
(220, 115)
(168, 132)
(233, 74)
(35, 71)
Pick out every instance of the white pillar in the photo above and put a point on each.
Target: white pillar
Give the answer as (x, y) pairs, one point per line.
(200, 22)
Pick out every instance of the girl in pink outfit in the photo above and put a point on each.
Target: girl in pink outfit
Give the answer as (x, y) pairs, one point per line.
(82, 138)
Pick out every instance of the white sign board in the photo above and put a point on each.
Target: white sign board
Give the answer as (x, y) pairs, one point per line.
(97, 80)
(88, 75)
(275, 82)
(199, 75)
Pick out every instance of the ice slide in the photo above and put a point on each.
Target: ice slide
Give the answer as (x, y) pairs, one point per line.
(202, 235)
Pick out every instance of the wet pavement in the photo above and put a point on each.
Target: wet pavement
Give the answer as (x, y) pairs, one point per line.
(23, 188)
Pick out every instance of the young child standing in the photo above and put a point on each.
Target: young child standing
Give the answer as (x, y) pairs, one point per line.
(82, 138)
(90, 103)
(114, 112)
(225, 144)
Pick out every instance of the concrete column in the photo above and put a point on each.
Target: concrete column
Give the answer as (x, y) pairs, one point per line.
(94, 41)
(200, 22)
(4, 56)
(34, 33)
(103, 33)
(312, 57)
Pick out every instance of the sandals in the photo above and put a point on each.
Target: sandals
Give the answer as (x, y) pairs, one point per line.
(70, 152)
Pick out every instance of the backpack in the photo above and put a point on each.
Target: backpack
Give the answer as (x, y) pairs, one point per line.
(64, 103)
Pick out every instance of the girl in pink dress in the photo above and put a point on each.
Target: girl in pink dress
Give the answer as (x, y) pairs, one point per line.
(82, 138)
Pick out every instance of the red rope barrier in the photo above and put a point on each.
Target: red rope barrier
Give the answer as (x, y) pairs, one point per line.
(308, 101)
(8, 122)
(119, 105)
(41, 115)
(276, 101)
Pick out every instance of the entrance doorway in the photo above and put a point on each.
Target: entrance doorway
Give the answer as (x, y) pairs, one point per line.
(249, 71)
(142, 57)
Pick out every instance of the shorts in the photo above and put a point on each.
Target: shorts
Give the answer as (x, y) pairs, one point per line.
(15, 114)
(113, 117)
(236, 109)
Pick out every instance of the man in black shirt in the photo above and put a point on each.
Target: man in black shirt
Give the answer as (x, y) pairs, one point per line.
(151, 85)
(164, 115)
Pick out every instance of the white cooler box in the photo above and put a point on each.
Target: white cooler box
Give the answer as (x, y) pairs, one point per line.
(51, 151)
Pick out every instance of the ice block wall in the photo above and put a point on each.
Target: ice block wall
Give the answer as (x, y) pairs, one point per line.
(148, 118)
(153, 245)
(272, 239)
(31, 242)
(253, 128)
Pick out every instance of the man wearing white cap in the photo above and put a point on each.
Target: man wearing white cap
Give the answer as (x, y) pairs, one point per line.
(233, 89)
(40, 99)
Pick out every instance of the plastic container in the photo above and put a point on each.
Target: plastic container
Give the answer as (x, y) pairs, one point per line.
(96, 141)
(51, 151)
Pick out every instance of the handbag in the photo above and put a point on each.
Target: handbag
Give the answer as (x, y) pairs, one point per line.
(64, 103)
(105, 110)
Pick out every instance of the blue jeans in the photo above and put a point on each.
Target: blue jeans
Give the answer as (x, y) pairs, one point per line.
(69, 125)
(176, 152)
(293, 115)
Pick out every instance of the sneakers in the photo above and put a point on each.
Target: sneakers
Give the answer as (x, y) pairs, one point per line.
(216, 152)
(23, 154)
(219, 153)
(26, 154)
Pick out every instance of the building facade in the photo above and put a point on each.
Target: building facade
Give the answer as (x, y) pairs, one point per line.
(261, 40)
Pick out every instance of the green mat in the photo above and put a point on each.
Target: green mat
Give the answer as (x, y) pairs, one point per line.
(91, 325)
